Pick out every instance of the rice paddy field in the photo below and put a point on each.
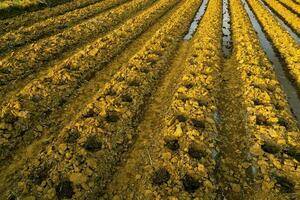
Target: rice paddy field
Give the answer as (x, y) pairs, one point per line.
(150, 99)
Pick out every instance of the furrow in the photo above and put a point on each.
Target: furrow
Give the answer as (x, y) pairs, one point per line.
(53, 25)
(36, 57)
(294, 7)
(109, 120)
(179, 160)
(286, 15)
(26, 19)
(44, 94)
(270, 126)
(287, 47)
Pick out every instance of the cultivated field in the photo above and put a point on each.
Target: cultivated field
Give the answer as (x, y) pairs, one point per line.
(151, 99)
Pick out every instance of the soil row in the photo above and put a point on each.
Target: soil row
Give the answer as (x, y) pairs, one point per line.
(287, 47)
(25, 19)
(103, 130)
(271, 129)
(34, 57)
(44, 94)
(53, 25)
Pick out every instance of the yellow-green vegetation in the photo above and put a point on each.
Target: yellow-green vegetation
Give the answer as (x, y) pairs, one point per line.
(150, 99)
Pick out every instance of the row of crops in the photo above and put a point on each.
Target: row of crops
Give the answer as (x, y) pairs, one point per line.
(10, 8)
(106, 99)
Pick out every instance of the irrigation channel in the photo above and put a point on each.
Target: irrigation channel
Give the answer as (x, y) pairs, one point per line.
(287, 85)
(196, 20)
(227, 43)
(281, 22)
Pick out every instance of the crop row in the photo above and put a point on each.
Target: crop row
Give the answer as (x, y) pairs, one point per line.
(53, 25)
(270, 124)
(23, 62)
(11, 8)
(291, 18)
(291, 5)
(190, 129)
(32, 17)
(44, 94)
(85, 153)
(287, 47)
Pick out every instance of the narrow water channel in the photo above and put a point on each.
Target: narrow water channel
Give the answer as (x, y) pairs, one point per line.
(226, 29)
(281, 22)
(195, 23)
(286, 84)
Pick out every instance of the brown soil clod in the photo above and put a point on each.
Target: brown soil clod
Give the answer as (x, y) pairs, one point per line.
(195, 152)
(261, 120)
(90, 113)
(112, 117)
(270, 147)
(190, 184)
(257, 102)
(172, 144)
(189, 85)
(181, 118)
(198, 124)
(12, 197)
(293, 152)
(127, 98)
(64, 189)
(38, 175)
(284, 123)
(286, 185)
(72, 136)
(135, 83)
(160, 176)
(92, 144)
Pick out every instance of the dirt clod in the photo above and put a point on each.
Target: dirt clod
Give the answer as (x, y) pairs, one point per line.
(198, 124)
(64, 189)
(270, 148)
(292, 152)
(285, 184)
(72, 136)
(12, 197)
(172, 144)
(181, 118)
(127, 98)
(134, 83)
(112, 117)
(261, 120)
(92, 144)
(190, 184)
(90, 113)
(195, 152)
(38, 175)
(160, 176)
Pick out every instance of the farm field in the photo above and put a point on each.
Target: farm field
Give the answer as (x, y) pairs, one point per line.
(151, 99)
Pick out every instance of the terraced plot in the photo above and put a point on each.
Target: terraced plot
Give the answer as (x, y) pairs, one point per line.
(151, 99)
